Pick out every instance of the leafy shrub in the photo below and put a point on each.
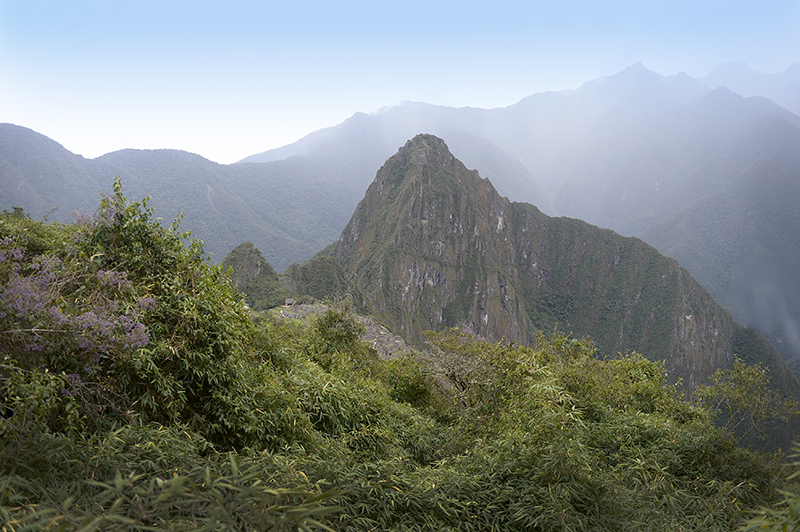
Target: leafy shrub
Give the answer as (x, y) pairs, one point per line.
(409, 381)
(180, 485)
(785, 515)
(743, 403)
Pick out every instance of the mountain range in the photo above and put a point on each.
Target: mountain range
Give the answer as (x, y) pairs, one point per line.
(289, 209)
(706, 175)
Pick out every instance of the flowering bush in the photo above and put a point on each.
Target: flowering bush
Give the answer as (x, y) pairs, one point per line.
(130, 311)
(56, 317)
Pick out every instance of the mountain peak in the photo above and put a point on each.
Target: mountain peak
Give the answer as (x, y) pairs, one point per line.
(422, 187)
(638, 66)
(424, 160)
(635, 87)
(426, 147)
(433, 246)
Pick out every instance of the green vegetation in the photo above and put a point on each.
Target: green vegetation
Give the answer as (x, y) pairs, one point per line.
(321, 278)
(137, 394)
(784, 516)
(254, 277)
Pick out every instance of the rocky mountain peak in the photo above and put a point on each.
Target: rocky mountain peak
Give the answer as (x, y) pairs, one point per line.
(432, 246)
(425, 148)
(423, 158)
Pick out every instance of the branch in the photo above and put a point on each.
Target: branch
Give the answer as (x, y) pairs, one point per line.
(34, 330)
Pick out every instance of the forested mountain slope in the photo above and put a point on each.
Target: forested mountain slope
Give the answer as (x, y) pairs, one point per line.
(432, 245)
(290, 209)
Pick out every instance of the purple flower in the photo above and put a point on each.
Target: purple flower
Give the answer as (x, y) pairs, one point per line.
(126, 322)
(84, 219)
(138, 336)
(15, 253)
(147, 304)
(86, 345)
(25, 296)
(113, 278)
(57, 316)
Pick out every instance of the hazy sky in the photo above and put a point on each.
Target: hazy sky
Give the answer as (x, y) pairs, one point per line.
(228, 79)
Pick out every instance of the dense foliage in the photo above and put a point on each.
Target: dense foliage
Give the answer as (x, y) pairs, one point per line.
(137, 394)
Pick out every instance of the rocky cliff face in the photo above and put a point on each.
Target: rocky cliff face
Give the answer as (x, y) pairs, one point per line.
(433, 245)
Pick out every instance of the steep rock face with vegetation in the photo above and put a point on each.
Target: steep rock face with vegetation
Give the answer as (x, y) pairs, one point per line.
(432, 245)
(321, 278)
(247, 264)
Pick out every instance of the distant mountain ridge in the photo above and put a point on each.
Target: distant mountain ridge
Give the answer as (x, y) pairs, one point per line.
(290, 209)
(782, 88)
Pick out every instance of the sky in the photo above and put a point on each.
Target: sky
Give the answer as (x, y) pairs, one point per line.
(229, 79)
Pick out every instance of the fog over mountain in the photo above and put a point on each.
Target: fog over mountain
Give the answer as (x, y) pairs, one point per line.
(782, 88)
(671, 159)
(705, 169)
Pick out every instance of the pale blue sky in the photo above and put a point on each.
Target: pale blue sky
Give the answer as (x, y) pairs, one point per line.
(232, 78)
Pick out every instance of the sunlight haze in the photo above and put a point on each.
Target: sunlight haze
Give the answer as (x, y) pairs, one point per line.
(228, 80)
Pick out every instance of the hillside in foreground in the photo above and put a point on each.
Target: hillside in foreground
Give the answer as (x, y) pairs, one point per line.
(137, 393)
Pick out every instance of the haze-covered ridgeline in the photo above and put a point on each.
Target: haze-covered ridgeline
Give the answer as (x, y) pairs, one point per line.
(705, 175)
(138, 393)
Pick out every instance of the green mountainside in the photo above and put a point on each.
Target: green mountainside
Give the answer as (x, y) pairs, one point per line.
(320, 277)
(288, 209)
(253, 276)
(432, 245)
